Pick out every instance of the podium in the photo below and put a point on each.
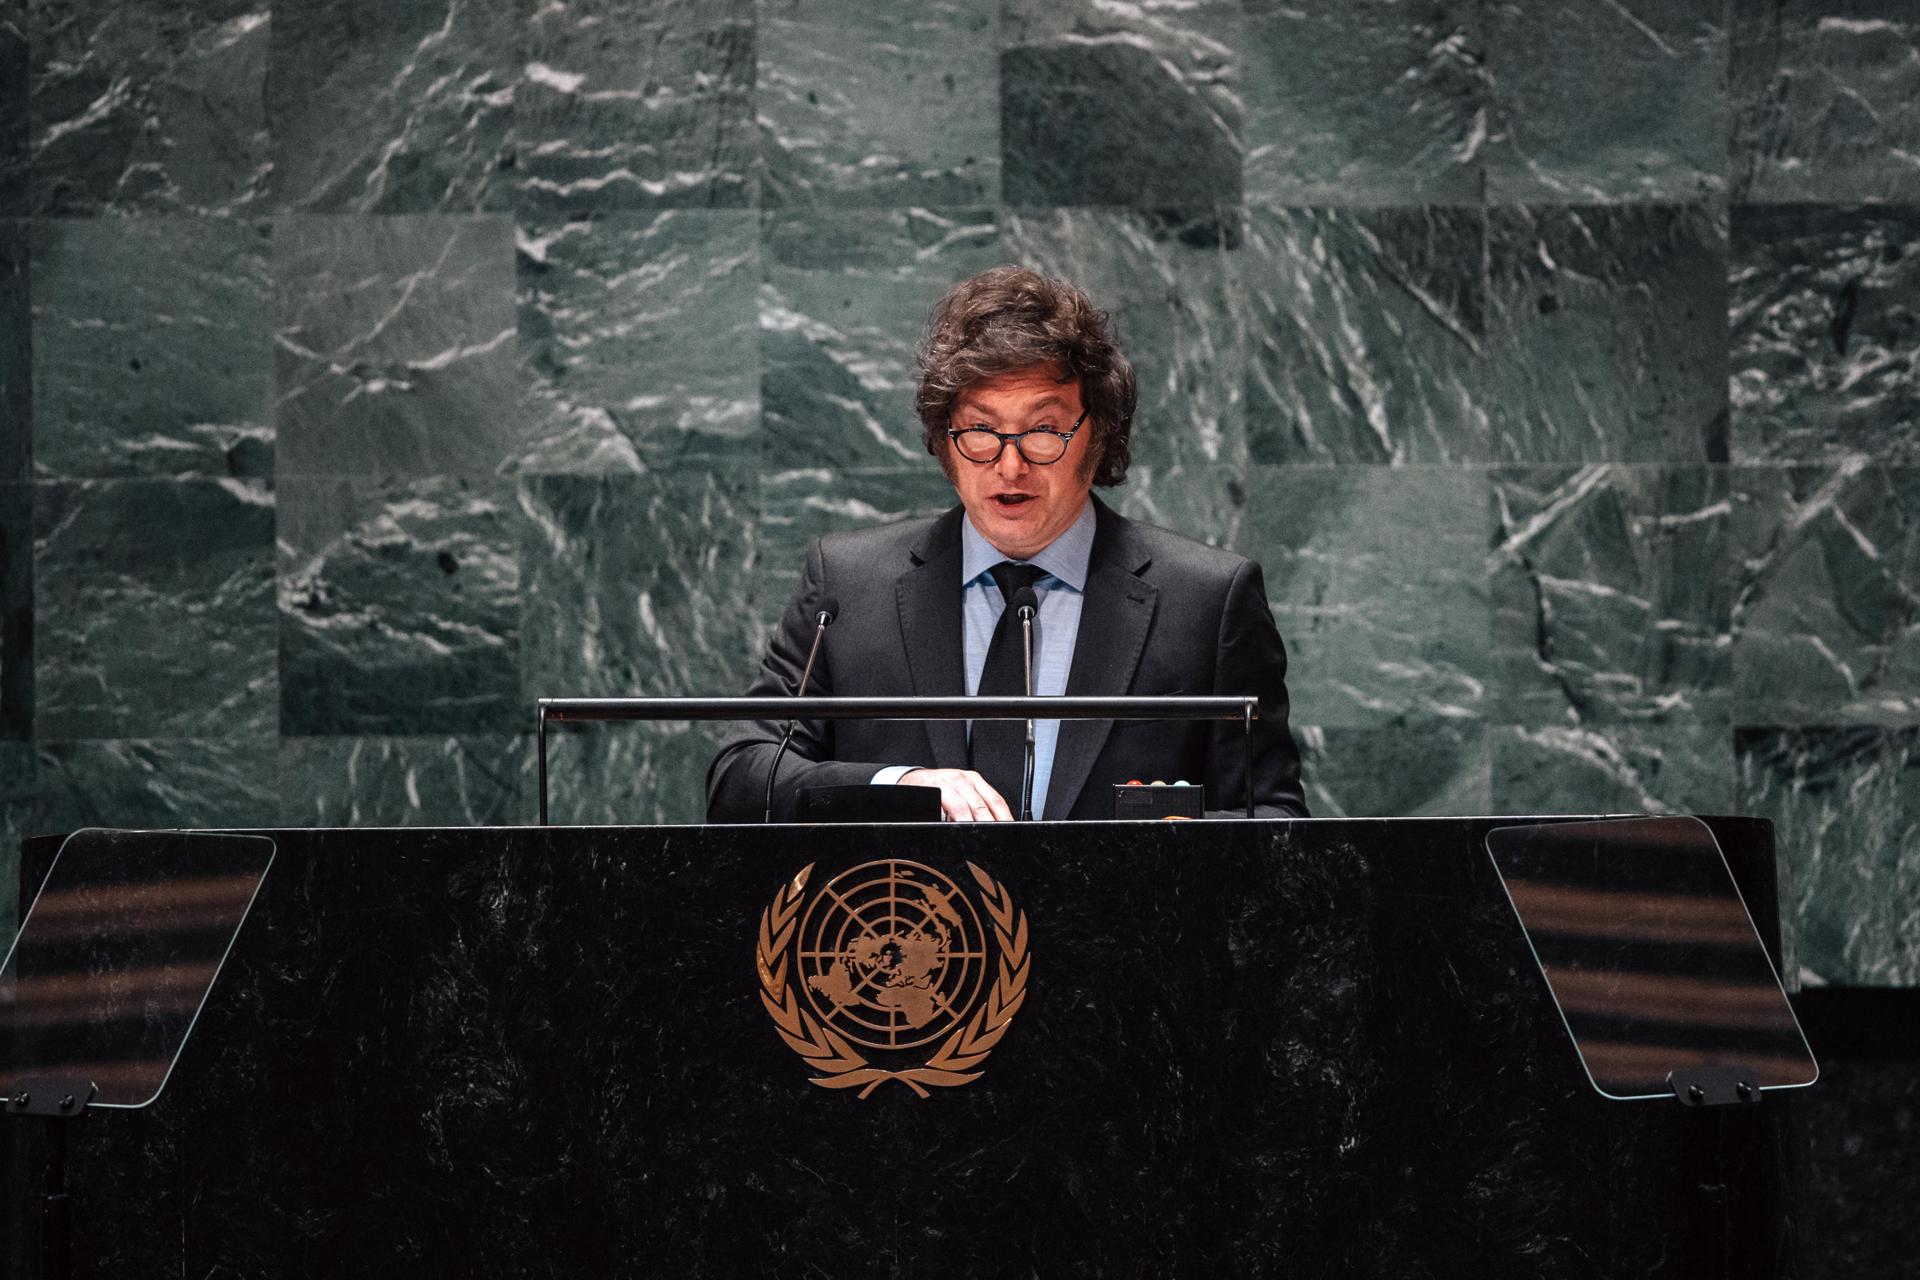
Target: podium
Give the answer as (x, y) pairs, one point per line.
(1315, 1048)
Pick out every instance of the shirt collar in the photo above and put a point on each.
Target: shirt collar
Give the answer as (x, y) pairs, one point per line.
(1065, 558)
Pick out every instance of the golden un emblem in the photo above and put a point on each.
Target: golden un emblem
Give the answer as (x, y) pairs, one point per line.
(889, 972)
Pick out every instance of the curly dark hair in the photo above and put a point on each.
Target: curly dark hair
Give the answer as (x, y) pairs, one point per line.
(1008, 319)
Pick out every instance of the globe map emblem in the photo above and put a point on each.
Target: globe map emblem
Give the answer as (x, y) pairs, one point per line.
(891, 954)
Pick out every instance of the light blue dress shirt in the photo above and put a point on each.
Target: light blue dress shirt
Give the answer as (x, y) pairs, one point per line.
(1062, 590)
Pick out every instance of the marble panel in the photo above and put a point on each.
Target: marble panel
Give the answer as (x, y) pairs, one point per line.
(1378, 582)
(1607, 334)
(1421, 767)
(638, 339)
(1204, 501)
(144, 106)
(1372, 102)
(1825, 100)
(1123, 104)
(639, 584)
(152, 348)
(399, 607)
(16, 611)
(392, 106)
(1825, 341)
(226, 781)
(844, 301)
(1367, 335)
(629, 774)
(1846, 802)
(1612, 595)
(153, 609)
(907, 112)
(407, 782)
(1599, 102)
(1827, 612)
(394, 346)
(1164, 277)
(635, 107)
(799, 505)
(15, 118)
(16, 351)
(1677, 766)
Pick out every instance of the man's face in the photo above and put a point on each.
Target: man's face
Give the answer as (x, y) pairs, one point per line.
(1017, 506)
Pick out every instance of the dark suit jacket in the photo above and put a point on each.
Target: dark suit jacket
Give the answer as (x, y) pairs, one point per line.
(1163, 614)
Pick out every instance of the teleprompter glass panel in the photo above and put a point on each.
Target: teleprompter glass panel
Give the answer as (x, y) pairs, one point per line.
(117, 954)
(1650, 952)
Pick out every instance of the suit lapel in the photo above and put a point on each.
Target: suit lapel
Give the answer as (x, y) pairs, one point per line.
(929, 602)
(1114, 618)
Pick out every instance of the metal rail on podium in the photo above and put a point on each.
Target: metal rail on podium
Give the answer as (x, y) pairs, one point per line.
(1244, 710)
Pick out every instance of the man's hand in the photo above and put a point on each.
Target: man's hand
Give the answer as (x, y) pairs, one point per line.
(964, 795)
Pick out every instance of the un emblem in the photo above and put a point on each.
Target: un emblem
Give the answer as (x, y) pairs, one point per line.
(885, 960)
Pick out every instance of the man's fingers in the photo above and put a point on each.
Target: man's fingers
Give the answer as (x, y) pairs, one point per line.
(995, 802)
(957, 799)
(973, 806)
(955, 802)
(987, 803)
(965, 796)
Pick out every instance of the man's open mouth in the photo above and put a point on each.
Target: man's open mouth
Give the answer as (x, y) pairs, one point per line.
(1012, 499)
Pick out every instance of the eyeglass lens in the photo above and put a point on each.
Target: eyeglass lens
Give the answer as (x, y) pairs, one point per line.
(981, 445)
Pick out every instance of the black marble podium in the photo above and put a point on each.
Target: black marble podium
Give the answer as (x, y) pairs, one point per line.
(1311, 1048)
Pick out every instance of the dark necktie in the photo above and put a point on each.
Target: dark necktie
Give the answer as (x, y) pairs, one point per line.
(999, 748)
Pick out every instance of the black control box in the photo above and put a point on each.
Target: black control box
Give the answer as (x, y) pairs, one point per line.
(1159, 800)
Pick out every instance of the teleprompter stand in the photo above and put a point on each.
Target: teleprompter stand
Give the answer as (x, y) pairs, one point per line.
(1661, 979)
(105, 979)
(60, 1100)
(1714, 1085)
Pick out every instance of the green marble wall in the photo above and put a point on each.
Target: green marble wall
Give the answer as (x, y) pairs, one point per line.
(370, 368)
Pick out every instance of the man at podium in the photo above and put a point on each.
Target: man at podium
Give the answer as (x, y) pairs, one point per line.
(1028, 406)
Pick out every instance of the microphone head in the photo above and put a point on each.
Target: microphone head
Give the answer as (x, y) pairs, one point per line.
(1024, 603)
(826, 610)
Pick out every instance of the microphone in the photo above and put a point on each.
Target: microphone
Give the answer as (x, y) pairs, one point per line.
(824, 613)
(1024, 605)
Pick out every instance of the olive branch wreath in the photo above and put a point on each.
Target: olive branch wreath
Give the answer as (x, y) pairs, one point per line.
(840, 1065)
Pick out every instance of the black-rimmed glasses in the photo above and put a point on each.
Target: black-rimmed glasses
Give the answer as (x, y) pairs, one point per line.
(1038, 445)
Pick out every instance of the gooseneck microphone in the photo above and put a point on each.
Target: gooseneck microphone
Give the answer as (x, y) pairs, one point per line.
(823, 615)
(1024, 605)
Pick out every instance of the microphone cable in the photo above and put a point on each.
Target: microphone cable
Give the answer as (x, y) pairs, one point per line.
(823, 616)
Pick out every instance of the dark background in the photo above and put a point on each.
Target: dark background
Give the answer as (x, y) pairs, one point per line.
(369, 369)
